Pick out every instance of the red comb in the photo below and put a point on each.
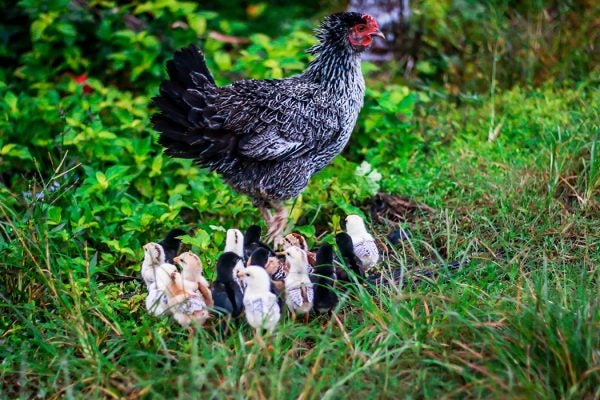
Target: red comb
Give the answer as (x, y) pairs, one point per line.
(370, 20)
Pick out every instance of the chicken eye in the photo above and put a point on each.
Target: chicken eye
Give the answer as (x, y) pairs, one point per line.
(361, 28)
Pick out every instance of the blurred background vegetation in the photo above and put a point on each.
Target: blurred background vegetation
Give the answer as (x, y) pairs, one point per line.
(481, 96)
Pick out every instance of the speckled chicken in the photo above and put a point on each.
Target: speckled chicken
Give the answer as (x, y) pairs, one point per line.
(267, 138)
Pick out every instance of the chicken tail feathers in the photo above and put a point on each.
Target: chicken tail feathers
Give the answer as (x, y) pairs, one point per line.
(187, 63)
(187, 121)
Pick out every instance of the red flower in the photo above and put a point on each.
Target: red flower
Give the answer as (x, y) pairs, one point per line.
(82, 80)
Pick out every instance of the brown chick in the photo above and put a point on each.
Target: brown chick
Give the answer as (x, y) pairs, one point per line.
(185, 305)
(192, 273)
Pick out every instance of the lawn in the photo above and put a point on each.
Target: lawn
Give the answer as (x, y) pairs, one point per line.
(490, 163)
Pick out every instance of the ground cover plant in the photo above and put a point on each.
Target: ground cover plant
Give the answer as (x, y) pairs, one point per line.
(489, 149)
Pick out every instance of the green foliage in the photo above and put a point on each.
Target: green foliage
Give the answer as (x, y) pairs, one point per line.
(460, 43)
(514, 179)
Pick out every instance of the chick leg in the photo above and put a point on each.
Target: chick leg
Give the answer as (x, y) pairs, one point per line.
(278, 224)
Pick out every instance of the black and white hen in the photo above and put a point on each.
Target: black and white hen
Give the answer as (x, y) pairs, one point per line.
(267, 138)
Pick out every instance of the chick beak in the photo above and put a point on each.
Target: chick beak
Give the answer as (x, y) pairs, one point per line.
(176, 260)
(378, 33)
(239, 274)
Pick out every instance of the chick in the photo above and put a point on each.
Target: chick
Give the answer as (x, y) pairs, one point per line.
(191, 271)
(352, 263)
(398, 235)
(277, 267)
(171, 244)
(226, 293)
(262, 309)
(298, 286)
(325, 296)
(260, 258)
(154, 260)
(252, 242)
(234, 242)
(185, 305)
(365, 247)
(154, 256)
(296, 239)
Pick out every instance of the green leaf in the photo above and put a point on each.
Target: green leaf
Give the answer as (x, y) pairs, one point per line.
(201, 239)
(223, 61)
(16, 151)
(41, 24)
(116, 171)
(11, 100)
(53, 215)
(197, 23)
(157, 164)
(306, 230)
(102, 181)
(262, 40)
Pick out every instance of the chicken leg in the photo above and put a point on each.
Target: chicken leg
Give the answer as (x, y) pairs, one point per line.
(275, 222)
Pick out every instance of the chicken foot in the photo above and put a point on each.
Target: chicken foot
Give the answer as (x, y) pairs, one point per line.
(275, 222)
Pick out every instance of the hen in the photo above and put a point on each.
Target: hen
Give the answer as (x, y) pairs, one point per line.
(266, 138)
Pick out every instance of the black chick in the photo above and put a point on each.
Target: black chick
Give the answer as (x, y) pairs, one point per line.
(259, 257)
(344, 243)
(398, 235)
(252, 242)
(325, 297)
(227, 294)
(171, 244)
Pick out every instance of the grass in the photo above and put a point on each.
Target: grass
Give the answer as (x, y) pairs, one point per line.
(519, 320)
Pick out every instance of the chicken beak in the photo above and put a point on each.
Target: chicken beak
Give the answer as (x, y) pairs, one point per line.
(378, 33)
(176, 260)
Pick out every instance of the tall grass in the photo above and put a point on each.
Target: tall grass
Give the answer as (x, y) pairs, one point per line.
(519, 320)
